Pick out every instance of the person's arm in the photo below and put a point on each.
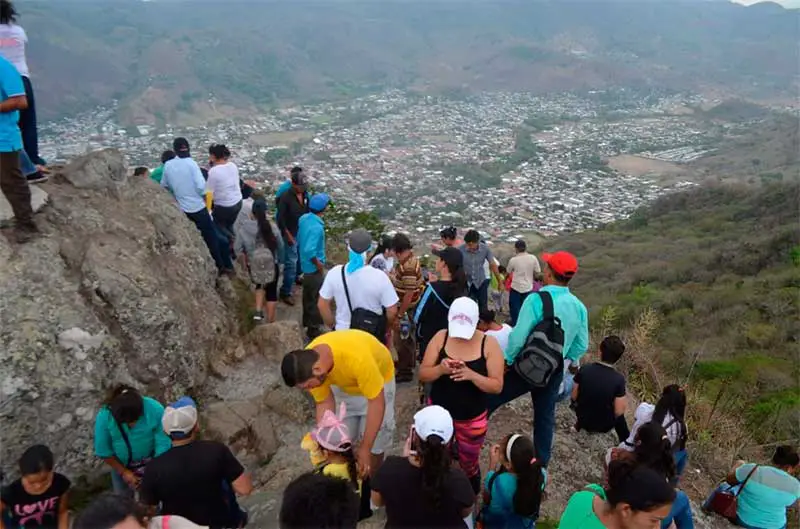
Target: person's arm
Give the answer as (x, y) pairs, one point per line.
(620, 400)
(537, 268)
(233, 472)
(376, 408)
(165, 178)
(733, 476)
(389, 300)
(376, 498)
(496, 271)
(391, 314)
(323, 397)
(581, 342)
(429, 371)
(243, 485)
(370, 383)
(493, 382)
(13, 103)
(529, 316)
(326, 310)
(576, 391)
(283, 210)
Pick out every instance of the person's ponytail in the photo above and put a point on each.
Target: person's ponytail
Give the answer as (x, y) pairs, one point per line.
(653, 449)
(435, 462)
(529, 474)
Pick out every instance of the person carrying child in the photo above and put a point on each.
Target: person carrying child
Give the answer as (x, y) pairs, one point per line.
(39, 499)
(513, 488)
(331, 449)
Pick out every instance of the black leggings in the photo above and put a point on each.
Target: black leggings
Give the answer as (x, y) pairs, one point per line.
(225, 218)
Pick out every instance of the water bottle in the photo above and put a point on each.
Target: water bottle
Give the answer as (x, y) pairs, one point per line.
(405, 328)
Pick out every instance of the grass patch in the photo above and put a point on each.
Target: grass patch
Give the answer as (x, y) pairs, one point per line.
(245, 303)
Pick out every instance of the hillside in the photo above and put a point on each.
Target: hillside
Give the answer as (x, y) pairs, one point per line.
(159, 58)
(720, 267)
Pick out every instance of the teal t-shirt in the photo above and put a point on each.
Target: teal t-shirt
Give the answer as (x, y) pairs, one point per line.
(157, 173)
(579, 513)
(147, 437)
(764, 499)
(499, 514)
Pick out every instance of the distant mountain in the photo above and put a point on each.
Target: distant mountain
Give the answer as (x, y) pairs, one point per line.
(164, 58)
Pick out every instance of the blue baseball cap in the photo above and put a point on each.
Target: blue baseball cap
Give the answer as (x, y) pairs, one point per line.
(319, 202)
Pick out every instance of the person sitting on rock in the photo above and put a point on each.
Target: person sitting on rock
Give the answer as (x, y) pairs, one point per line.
(38, 499)
(158, 172)
(355, 368)
(127, 435)
(195, 479)
(317, 500)
(332, 454)
(112, 511)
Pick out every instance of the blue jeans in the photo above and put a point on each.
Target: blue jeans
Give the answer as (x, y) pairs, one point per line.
(119, 486)
(544, 408)
(26, 164)
(205, 225)
(681, 513)
(515, 301)
(480, 295)
(290, 261)
(681, 459)
(27, 125)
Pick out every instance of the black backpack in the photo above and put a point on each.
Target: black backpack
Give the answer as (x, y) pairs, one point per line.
(364, 319)
(542, 356)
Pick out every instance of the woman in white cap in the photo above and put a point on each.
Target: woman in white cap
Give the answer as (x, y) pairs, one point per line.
(464, 366)
(422, 489)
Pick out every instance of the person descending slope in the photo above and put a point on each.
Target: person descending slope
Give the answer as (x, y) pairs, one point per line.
(292, 204)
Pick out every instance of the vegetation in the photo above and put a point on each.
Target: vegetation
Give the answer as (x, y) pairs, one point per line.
(720, 268)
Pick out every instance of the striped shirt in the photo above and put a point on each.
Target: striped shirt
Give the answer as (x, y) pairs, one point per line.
(407, 277)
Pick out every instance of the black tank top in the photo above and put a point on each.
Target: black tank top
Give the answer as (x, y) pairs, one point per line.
(464, 400)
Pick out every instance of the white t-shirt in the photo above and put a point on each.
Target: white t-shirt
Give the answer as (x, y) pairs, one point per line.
(524, 266)
(643, 415)
(501, 335)
(369, 289)
(172, 522)
(12, 47)
(381, 262)
(223, 182)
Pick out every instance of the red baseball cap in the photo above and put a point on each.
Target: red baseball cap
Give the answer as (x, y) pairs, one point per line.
(562, 263)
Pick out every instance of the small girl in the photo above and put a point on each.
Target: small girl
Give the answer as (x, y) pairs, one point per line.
(39, 498)
(331, 451)
(513, 489)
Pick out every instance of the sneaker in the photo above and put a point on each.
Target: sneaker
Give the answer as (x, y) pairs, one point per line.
(299, 280)
(287, 299)
(25, 232)
(37, 178)
(258, 317)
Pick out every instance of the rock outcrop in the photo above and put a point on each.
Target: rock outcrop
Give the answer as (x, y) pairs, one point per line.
(120, 288)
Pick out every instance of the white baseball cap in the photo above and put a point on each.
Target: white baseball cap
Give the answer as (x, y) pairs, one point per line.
(433, 420)
(462, 319)
(180, 418)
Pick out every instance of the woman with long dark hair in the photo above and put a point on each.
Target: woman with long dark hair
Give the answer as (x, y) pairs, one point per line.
(383, 257)
(257, 240)
(128, 434)
(422, 489)
(224, 185)
(13, 41)
(513, 488)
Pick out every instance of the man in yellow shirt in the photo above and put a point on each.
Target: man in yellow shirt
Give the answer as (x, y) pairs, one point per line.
(355, 368)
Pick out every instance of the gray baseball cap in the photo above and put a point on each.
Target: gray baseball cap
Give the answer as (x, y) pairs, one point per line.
(360, 240)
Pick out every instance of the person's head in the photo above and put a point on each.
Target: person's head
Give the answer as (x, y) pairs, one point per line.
(449, 261)
(472, 239)
(318, 203)
(402, 247)
(359, 241)
(384, 247)
(298, 177)
(449, 235)
(334, 439)
(520, 246)
(295, 171)
(315, 500)
(259, 212)
(218, 153)
(487, 319)
(519, 457)
(462, 318)
(8, 13)
(167, 156)
(637, 496)
(611, 349)
(125, 404)
(653, 449)
(561, 268)
(786, 458)
(303, 369)
(36, 469)
(181, 147)
(111, 511)
(432, 432)
(180, 419)
(141, 172)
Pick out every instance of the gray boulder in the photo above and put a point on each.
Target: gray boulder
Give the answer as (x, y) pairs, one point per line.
(120, 288)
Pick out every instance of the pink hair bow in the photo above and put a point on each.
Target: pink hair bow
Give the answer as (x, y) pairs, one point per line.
(331, 432)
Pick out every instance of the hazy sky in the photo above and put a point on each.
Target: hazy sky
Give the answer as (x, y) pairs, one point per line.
(784, 3)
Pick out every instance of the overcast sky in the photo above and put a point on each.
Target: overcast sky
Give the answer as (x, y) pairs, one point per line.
(784, 3)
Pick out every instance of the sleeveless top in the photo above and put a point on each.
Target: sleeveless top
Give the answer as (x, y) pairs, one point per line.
(464, 400)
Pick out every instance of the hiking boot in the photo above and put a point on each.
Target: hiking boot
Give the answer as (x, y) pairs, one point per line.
(258, 317)
(287, 299)
(37, 178)
(25, 232)
(230, 272)
(402, 378)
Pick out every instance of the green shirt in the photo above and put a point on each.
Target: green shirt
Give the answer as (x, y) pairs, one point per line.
(579, 513)
(157, 173)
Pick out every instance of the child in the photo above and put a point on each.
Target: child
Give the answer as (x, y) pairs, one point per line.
(331, 451)
(514, 487)
(39, 498)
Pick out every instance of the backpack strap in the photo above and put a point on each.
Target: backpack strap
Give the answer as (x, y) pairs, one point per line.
(483, 345)
(487, 500)
(547, 305)
(346, 291)
(124, 438)
(755, 467)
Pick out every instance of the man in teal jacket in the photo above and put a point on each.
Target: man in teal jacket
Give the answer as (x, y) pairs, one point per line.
(311, 245)
(561, 268)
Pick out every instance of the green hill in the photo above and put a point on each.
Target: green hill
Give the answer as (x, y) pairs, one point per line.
(720, 266)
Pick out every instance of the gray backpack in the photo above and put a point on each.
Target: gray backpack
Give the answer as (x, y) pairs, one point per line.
(262, 264)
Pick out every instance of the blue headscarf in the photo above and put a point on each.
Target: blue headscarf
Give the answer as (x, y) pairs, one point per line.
(355, 260)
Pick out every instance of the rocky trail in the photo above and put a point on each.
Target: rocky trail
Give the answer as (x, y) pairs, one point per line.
(120, 288)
